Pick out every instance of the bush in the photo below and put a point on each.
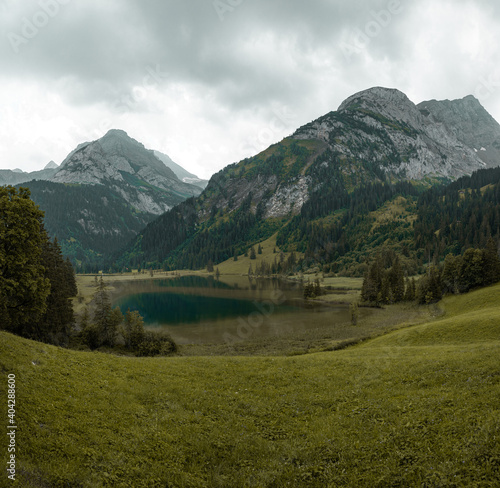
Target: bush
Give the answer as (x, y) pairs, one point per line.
(156, 344)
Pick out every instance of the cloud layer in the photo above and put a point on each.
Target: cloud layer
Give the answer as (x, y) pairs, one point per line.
(210, 82)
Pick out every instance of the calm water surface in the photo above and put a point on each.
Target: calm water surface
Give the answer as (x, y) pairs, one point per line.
(195, 309)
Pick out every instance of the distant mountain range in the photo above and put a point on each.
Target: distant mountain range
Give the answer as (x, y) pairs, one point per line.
(103, 193)
(180, 172)
(320, 185)
(376, 137)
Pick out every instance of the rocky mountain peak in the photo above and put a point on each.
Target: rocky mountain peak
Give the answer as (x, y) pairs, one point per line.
(469, 122)
(51, 165)
(387, 102)
(380, 130)
(126, 166)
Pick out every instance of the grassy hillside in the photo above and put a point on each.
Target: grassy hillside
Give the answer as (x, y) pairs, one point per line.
(241, 267)
(417, 407)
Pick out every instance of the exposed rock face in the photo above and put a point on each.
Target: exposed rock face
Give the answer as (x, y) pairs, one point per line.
(127, 167)
(375, 134)
(382, 128)
(468, 121)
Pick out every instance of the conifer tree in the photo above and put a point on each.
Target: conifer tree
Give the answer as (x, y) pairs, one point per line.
(396, 278)
(24, 287)
(491, 263)
(55, 325)
(106, 319)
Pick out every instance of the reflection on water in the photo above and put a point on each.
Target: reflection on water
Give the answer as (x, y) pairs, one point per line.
(199, 309)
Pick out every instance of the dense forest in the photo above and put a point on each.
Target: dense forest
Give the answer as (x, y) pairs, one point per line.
(90, 221)
(338, 229)
(36, 282)
(463, 214)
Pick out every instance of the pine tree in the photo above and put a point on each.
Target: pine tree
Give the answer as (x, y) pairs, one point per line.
(252, 253)
(88, 331)
(55, 325)
(317, 288)
(491, 263)
(259, 249)
(451, 268)
(396, 278)
(106, 319)
(385, 294)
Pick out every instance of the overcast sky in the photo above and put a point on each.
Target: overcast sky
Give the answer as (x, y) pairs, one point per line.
(212, 82)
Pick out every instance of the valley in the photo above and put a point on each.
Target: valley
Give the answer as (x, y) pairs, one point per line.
(425, 398)
(322, 313)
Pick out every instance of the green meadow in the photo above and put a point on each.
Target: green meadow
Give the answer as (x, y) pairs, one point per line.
(417, 407)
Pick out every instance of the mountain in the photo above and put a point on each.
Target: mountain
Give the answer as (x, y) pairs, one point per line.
(91, 222)
(125, 166)
(315, 186)
(15, 177)
(180, 172)
(51, 165)
(382, 130)
(102, 195)
(470, 123)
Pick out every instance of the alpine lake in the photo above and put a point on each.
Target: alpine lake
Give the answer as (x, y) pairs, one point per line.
(205, 310)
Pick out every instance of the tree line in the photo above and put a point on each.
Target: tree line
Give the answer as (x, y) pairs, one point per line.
(456, 274)
(101, 326)
(36, 282)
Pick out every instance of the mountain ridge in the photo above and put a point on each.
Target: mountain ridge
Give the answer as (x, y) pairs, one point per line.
(377, 136)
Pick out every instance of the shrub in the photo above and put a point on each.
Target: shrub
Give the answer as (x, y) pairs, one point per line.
(156, 344)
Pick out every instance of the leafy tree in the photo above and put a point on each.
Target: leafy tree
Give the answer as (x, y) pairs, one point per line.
(157, 344)
(133, 329)
(410, 290)
(451, 267)
(88, 331)
(309, 291)
(430, 288)
(471, 272)
(24, 286)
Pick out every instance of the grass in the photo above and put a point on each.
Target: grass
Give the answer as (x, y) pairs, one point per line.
(240, 267)
(418, 407)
